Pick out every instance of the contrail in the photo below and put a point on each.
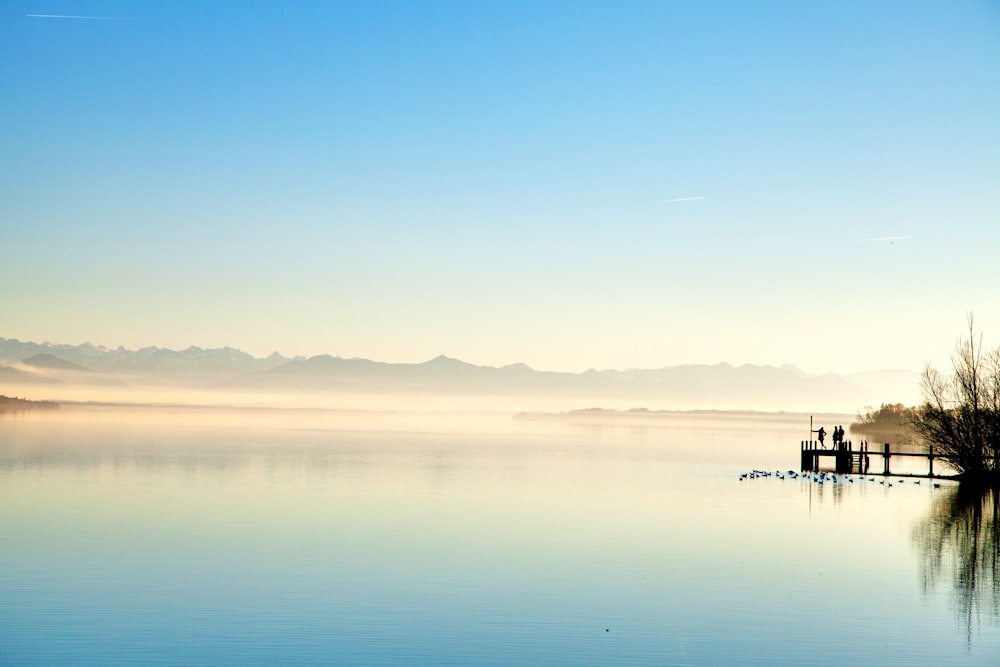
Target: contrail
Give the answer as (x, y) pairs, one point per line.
(671, 201)
(67, 16)
(887, 238)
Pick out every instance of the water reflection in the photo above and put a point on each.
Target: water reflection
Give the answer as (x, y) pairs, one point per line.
(960, 547)
(453, 539)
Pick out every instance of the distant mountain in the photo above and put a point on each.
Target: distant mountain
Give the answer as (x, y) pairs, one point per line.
(46, 360)
(16, 376)
(722, 385)
(748, 386)
(220, 361)
(45, 367)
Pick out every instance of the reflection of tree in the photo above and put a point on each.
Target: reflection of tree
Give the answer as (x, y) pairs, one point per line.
(960, 543)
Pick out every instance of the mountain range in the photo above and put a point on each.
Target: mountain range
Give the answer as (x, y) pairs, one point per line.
(225, 360)
(722, 385)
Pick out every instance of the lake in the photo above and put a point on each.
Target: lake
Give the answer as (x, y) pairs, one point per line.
(197, 536)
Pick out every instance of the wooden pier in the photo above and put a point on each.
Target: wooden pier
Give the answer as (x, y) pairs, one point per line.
(863, 461)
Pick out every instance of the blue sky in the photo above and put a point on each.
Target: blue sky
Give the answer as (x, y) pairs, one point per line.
(494, 180)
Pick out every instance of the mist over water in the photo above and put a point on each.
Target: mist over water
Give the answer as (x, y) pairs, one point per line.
(205, 536)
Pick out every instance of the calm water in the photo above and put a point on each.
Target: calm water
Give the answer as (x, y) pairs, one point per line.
(188, 536)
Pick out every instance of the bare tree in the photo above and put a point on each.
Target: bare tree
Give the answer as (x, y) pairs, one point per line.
(960, 415)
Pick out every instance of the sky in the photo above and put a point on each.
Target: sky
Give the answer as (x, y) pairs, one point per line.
(564, 184)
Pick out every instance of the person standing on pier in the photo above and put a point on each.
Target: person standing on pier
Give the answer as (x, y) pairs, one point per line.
(820, 434)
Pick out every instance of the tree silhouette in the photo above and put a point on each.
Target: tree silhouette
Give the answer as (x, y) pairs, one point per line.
(960, 415)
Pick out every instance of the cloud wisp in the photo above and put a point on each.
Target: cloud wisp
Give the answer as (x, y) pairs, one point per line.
(886, 238)
(671, 201)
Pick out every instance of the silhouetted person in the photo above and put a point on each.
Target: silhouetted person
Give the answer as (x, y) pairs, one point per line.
(820, 433)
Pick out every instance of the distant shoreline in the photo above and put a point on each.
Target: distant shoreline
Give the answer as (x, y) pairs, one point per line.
(13, 403)
(632, 414)
(640, 413)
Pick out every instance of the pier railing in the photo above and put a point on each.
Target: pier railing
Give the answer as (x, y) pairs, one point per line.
(848, 460)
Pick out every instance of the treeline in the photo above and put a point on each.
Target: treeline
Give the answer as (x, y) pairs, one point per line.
(894, 415)
(13, 403)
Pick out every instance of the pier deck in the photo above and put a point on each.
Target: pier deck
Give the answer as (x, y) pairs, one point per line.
(863, 461)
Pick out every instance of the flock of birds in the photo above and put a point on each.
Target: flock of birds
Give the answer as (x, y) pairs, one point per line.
(824, 477)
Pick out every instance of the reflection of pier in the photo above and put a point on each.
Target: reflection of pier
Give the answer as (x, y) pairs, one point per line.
(862, 461)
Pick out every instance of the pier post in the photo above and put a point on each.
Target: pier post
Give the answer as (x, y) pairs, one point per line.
(843, 459)
(930, 458)
(885, 459)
